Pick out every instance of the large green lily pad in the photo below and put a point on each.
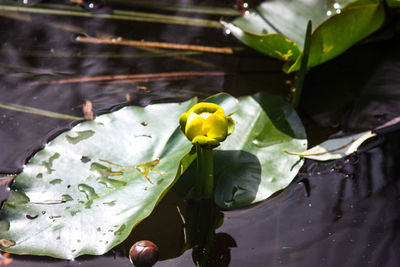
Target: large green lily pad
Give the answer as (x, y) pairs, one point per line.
(277, 28)
(254, 165)
(86, 190)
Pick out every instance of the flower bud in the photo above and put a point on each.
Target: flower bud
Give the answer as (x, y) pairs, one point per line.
(206, 124)
(144, 253)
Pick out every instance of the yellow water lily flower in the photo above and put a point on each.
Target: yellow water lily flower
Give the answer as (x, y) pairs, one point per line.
(206, 124)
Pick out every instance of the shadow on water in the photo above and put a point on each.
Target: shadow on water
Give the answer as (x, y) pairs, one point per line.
(339, 213)
(352, 209)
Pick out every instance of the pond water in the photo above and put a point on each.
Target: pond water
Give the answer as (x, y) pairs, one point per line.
(56, 55)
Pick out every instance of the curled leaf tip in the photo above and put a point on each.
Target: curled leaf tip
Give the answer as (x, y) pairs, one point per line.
(206, 124)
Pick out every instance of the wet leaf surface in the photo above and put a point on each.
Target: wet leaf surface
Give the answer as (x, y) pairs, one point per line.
(59, 200)
(277, 28)
(110, 173)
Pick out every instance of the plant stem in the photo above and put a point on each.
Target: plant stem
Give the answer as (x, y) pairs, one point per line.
(205, 163)
(303, 67)
(42, 112)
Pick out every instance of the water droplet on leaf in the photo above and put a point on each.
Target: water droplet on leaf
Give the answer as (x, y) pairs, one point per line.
(55, 181)
(120, 230)
(67, 198)
(111, 183)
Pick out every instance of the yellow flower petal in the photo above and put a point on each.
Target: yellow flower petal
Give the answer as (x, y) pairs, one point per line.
(205, 141)
(206, 123)
(194, 126)
(216, 126)
(205, 107)
(182, 122)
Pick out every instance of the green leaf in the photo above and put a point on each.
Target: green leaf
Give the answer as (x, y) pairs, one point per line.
(277, 28)
(86, 190)
(274, 45)
(250, 165)
(393, 3)
(340, 32)
(335, 148)
(226, 101)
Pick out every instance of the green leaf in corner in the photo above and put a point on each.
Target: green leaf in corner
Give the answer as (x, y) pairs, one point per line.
(277, 28)
(337, 34)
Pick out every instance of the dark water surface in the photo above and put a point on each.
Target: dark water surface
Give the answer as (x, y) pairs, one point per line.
(340, 213)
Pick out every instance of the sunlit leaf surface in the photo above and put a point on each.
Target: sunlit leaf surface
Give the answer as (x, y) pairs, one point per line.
(250, 164)
(277, 28)
(86, 190)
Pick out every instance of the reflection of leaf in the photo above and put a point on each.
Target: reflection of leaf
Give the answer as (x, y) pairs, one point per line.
(335, 148)
(89, 206)
(277, 28)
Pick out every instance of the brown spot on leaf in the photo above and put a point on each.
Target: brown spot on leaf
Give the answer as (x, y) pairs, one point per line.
(7, 243)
